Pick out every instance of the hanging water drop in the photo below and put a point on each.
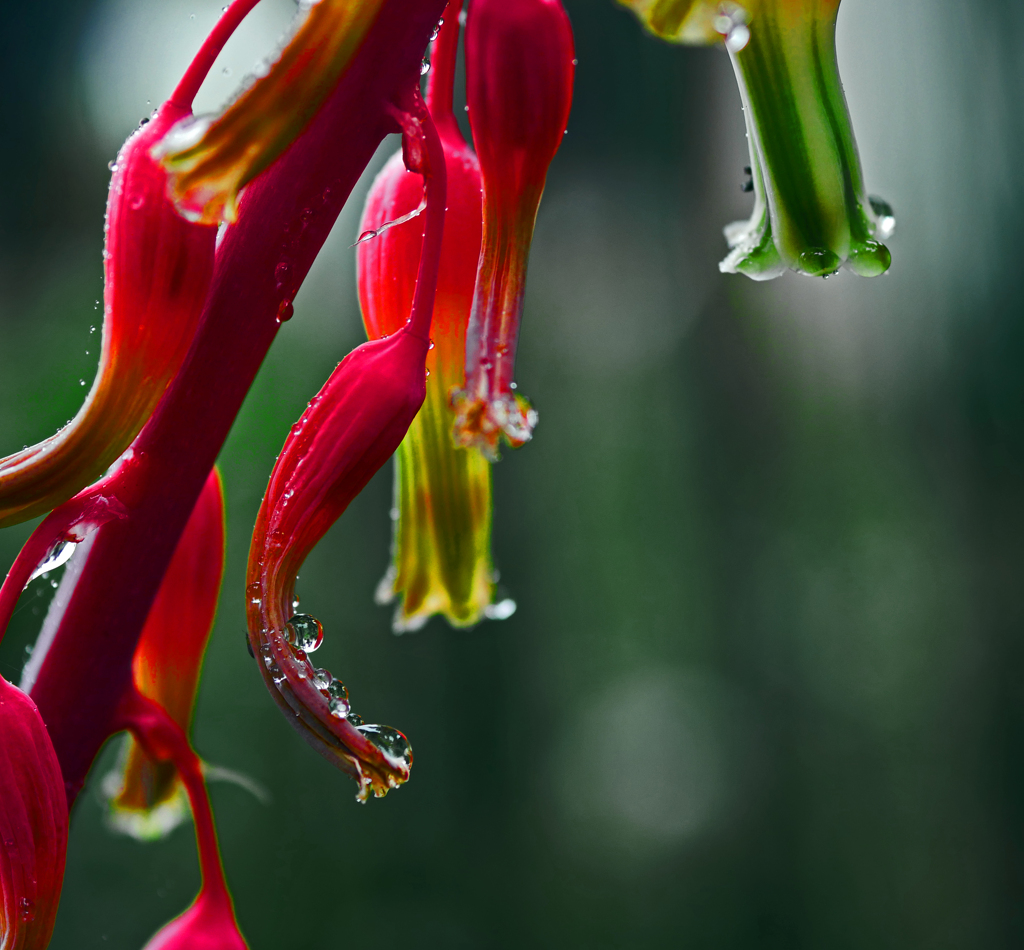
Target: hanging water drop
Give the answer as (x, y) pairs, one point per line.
(354, 719)
(390, 741)
(59, 554)
(304, 632)
(502, 610)
(424, 68)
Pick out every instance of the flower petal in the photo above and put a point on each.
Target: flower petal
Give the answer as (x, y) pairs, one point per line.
(157, 269)
(683, 21)
(212, 158)
(33, 824)
(147, 799)
(352, 426)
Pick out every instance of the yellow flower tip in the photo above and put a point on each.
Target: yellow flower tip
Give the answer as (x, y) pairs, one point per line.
(145, 799)
(210, 159)
(441, 555)
(484, 423)
(680, 21)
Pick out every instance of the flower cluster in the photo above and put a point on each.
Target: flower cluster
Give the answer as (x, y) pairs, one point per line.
(212, 224)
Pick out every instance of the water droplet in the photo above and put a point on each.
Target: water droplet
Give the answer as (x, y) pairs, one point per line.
(869, 259)
(53, 584)
(26, 910)
(227, 69)
(431, 345)
(390, 741)
(337, 690)
(339, 708)
(305, 632)
(886, 218)
(285, 311)
(502, 610)
(268, 662)
(817, 262)
(424, 68)
(514, 385)
(112, 165)
(395, 514)
(428, 374)
(81, 382)
(59, 554)
(93, 329)
(575, 62)
(738, 38)
(354, 719)
(322, 678)
(281, 273)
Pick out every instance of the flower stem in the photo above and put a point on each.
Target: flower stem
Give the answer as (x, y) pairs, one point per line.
(435, 186)
(441, 78)
(185, 92)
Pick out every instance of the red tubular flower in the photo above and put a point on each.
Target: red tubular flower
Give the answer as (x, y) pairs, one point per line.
(33, 824)
(157, 271)
(147, 799)
(519, 69)
(442, 543)
(351, 428)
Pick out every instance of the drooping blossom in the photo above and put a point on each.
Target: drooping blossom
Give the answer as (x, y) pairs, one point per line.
(811, 212)
(519, 79)
(442, 534)
(157, 269)
(350, 429)
(33, 824)
(147, 798)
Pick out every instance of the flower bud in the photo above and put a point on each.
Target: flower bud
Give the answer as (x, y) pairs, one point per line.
(33, 824)
(519, 79)
(351, 428)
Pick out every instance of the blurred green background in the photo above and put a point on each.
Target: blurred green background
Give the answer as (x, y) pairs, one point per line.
(764, 685)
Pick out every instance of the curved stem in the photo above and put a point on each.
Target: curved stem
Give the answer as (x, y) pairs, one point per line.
(185, 92)
(163, 739)
(441, 79)
(435, 187)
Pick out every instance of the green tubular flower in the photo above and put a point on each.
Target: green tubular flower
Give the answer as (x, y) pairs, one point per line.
(811, 212)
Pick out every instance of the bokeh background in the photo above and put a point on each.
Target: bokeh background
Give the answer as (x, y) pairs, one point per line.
(763, 688)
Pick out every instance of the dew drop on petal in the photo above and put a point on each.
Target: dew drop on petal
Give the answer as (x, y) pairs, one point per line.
(59, 554)
(390, 741)
(305, 632)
